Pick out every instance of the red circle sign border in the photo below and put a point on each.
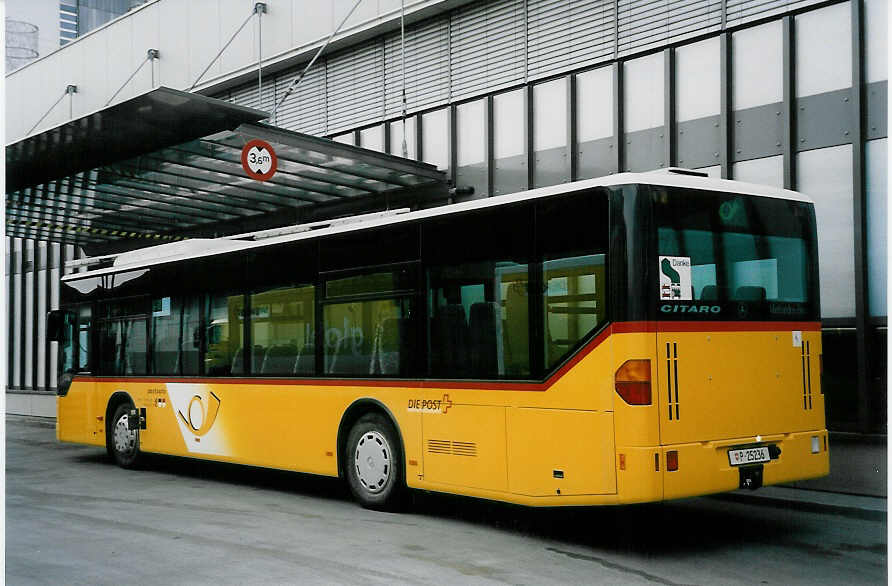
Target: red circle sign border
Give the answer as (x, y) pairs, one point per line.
(260, 144)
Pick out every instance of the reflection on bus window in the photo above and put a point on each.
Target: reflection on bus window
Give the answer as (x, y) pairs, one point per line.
(282, 330)
(83, 337)
(224, 353)
(175, 335)
(480, 320)
(575, 302)
(370, 338)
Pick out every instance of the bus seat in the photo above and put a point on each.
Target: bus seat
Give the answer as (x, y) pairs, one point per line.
(393, 335)
(278, 359)
(305, 361)
(517, 333)
(713, 293)
(483, 338)
(750, 293)
(449, 341)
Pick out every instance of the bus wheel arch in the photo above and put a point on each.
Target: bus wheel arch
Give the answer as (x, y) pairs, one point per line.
(119, 402)
(365, 413)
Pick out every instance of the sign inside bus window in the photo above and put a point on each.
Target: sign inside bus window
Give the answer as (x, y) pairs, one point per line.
(259, 160)
(675, 278)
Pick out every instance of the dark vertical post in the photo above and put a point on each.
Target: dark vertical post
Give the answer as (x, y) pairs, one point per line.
(23, 320)
(10, 323)
(489, 125)
(669, 150)
(48, 296)
(319, 322)
(618, 113)
(418, 141)
(726, 106)
(862, 307)
(529, 148)
(452, 115)
(35, 313)
(789, 105)
(386, 126)
(572, 139)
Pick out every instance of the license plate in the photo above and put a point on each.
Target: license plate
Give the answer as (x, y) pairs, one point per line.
(748, 456)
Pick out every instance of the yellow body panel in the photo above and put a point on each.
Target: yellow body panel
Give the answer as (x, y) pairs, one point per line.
(502, 441)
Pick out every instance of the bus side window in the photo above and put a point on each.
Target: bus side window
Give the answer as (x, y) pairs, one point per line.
(572, 241)
(84, 321)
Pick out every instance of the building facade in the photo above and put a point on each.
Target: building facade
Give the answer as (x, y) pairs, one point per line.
(506, 95)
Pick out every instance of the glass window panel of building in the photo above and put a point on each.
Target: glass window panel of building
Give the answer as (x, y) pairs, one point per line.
(550, 133)
(764, 171)
(435, 138)
(697, 103)
(824, 50)
(372, 138)
(643, 93)
(346, 138)
(509, 140)
(876, 40)
(876, 160)
(758, 71)
(697, 88)
(826, 176)
(471, 153)
(643, 102)
(594, 123)
(396, 138)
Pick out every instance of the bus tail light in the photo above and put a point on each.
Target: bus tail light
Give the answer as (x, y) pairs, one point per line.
(671, 461)
(632, 382)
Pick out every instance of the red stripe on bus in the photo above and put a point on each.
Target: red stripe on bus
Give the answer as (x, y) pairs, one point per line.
(635, 327)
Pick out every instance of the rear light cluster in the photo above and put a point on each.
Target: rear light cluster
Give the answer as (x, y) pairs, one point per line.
(632, 381)
(671, 461)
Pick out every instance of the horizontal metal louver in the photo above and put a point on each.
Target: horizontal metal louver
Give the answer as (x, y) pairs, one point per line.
(647, 24)
(304, 109)
(247, 95)
(487, 46)
(355, 89)
(568, 34)
(427, 67)
(743, 11)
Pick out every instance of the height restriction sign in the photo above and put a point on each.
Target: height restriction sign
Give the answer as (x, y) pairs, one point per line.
(259, 160)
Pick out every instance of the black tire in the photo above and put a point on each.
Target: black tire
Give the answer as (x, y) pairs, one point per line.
(121, 442)
(373, 463)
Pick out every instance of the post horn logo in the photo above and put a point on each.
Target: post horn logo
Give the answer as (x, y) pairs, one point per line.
(200, 418)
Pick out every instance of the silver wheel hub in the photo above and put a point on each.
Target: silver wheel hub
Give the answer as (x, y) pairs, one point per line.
(373, 461)
(124, 437)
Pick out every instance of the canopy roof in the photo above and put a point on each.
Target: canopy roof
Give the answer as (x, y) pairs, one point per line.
(166, 165)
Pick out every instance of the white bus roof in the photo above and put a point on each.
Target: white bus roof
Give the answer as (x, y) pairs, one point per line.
(203, 247)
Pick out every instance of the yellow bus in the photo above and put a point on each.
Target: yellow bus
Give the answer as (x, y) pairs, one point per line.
(633, 338)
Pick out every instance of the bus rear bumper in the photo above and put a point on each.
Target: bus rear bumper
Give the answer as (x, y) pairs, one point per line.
(705, 468)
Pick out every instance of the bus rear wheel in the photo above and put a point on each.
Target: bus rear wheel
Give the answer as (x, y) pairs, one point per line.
(124, 442)
(374, 463)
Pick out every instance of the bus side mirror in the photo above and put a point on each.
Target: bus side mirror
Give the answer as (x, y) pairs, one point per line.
(55, 325)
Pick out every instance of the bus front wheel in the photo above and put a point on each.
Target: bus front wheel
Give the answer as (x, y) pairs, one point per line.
(373, 463)
(124, 442)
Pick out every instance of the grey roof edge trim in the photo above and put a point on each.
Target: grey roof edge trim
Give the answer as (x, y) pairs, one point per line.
(245, 110)
(647, 178)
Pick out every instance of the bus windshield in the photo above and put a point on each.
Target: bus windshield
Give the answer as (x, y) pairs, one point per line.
(725, 256)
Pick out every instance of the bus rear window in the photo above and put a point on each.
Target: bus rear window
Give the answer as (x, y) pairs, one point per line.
(730, 256)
